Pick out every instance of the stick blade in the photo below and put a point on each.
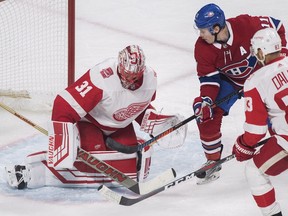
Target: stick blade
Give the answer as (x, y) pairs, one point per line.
(160, 180)
(111, 143)
(109, 194)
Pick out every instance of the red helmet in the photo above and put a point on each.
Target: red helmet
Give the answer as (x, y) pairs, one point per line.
(131, 65)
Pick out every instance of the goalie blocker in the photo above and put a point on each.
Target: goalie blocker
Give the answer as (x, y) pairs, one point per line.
(59, 167)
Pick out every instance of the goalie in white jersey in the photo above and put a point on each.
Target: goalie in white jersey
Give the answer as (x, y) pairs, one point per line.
(104, 102)
(266, 94)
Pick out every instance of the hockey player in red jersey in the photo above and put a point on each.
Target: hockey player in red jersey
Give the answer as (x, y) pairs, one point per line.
(105, 101)
(224, 62)
(265, 93)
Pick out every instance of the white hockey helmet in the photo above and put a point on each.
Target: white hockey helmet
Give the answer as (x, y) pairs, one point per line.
(267, 40)
(131, 65)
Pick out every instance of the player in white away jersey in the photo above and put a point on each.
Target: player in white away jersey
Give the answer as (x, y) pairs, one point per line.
(103, 103)
(266, 97)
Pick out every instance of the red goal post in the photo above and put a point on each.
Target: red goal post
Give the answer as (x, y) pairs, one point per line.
(37, 49)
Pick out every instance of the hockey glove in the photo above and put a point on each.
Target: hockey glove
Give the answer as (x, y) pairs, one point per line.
(155, 123)
(242, 151)
(202, 109)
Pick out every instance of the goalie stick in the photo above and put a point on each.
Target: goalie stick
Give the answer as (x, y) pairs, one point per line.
(106, 169)
(121, 178)
(132, 149)
(126, 201)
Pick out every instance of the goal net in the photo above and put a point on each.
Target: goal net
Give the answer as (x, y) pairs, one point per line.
(36, 50)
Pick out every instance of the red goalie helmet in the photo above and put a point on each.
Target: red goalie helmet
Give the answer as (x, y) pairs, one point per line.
(131, 65)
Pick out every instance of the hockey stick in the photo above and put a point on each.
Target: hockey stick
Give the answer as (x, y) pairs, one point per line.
(126, 201)
(106, 169)
(9, 109)
(121, 178)
(132, 149)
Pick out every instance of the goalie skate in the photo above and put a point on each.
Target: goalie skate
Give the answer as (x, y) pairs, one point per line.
(210, 175)
(17, 176)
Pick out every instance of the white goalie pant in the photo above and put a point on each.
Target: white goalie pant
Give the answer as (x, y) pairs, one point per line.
(43, 175)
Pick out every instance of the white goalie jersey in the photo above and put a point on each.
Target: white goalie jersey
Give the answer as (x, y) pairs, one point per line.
(98, 97)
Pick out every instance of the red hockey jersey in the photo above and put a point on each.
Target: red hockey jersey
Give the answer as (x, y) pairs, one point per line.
(232, 59)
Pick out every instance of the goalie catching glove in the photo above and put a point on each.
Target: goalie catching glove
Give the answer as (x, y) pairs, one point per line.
(202, 109)
(154, 124)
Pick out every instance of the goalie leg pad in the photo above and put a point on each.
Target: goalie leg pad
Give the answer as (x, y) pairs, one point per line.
(39, 174)
(81, 175)
(64, 140)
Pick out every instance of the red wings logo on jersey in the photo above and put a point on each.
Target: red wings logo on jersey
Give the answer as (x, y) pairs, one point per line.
(131, 110)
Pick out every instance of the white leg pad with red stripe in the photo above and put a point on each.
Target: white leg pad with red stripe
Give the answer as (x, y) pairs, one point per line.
(64, 139)
(81, 175)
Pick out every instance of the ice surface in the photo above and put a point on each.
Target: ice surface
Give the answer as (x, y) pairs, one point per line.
(164, 29)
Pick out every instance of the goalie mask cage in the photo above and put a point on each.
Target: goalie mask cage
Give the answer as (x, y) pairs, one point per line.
(36, 48)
